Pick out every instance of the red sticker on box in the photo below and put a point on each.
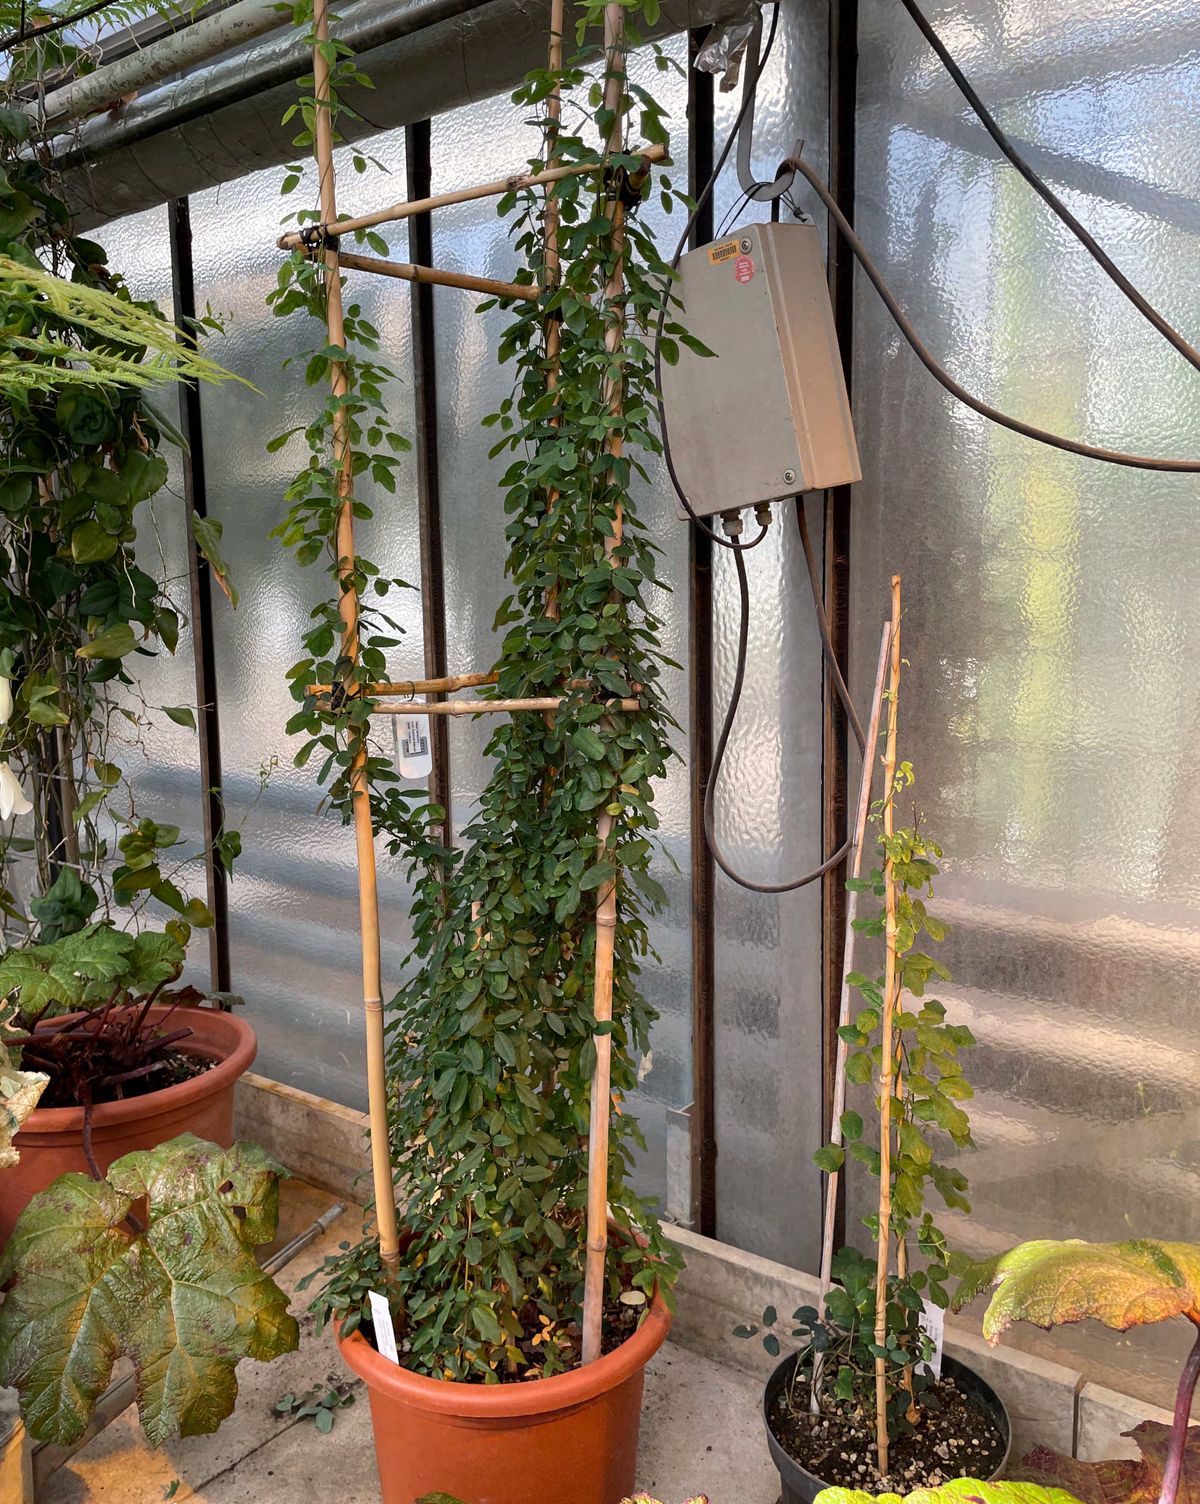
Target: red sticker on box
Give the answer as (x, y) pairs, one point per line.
(743, 268)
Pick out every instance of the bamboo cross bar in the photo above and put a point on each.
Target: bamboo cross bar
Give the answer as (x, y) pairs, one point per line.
(409, 271)
(548, 703)
(514, 183)
(364, 831)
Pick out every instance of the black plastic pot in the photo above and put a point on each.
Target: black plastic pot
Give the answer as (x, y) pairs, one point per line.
(802, 1487)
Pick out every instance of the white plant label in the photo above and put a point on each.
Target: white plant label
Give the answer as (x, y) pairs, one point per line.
(933, 1324)
(385, 1332)
(416, 750)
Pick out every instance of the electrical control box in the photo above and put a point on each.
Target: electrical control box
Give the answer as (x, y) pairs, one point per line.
(768, 416)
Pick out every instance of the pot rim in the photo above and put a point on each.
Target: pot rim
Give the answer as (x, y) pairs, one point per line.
(234, 1056)
(776, 1446)
(525, 1398)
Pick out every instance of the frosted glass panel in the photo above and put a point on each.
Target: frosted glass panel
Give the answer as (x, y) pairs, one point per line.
(488, 140)
(1052, 620)
(768, 949)
(294, 915)
(163, 762)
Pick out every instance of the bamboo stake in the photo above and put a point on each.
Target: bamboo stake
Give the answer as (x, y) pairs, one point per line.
(865, 784)
(883, 1243)
(512, 184)
(409, 271)
(448, 683)
(364, 835)
(606, 905)
(547, 703)
(553, 326)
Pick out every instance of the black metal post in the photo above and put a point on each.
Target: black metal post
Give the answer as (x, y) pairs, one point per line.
(843, 79)
(700, 738)
(419, 168)
(195, 498)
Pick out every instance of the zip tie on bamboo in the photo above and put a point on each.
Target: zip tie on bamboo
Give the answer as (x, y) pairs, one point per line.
(295, 239)
(600, 1106)
(410, 271)
(364, 833)
(887, 1047)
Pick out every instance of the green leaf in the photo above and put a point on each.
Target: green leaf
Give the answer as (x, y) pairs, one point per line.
(92, 544)
(182, 715)
(184, 1300)
(586, 740)
(70, 973)
(1051, 1284)
(957, 1491)
(114, 642)
(830, 1158)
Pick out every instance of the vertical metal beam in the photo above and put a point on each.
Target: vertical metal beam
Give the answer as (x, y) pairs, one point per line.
(419, 169)
(195, 498)
(700, 737)
(843, 79)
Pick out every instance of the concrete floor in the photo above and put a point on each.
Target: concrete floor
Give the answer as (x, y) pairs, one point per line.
(700, 1426)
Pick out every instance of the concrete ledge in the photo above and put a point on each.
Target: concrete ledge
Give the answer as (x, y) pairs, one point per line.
(320, 1140)
(16, 1466)
(1104, 1416)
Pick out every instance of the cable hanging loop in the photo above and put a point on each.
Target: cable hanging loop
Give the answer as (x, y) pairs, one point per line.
(761, 192)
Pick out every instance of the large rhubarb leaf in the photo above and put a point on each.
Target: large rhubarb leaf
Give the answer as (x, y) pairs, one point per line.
(957, 1491)
(1120, 1284)
(82, 969)
(1120, 1480)
(185, 1299)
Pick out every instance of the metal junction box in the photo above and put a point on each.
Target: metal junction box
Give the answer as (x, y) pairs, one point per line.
(769, 416)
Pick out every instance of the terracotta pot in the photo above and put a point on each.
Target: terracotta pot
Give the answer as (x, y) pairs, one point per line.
(544, 1441)
(50, 1142)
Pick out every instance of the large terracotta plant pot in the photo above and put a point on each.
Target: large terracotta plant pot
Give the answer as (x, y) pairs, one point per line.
(545, 1441)
(50, 1142)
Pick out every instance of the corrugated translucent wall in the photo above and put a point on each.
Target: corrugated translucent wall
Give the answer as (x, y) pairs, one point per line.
(1053, 622)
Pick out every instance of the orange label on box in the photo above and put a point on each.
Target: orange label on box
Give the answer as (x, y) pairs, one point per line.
(726, 250)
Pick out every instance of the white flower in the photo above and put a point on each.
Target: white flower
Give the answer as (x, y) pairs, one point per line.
(6, 701)
(12, 795)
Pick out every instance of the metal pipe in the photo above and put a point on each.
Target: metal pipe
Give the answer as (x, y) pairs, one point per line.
(175, 53)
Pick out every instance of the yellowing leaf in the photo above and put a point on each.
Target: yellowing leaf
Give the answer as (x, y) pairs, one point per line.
(1121, 1284)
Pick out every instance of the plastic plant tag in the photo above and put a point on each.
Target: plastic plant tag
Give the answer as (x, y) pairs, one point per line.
(416, 752)
(385, 1332)
(933, 1324)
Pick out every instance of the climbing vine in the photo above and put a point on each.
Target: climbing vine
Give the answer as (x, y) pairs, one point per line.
(492, 1041)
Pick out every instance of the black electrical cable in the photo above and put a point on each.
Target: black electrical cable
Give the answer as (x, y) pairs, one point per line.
(955, 388)
(1047, 194)
(710, 834)
(814, 579)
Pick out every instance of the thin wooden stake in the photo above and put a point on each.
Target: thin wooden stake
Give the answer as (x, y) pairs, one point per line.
(364, 834)
(553, 325)
(410, 271)
(512, 184)
(546, 703)
(606, 906)
(883, 1243)
(865, 784)
(447, 684)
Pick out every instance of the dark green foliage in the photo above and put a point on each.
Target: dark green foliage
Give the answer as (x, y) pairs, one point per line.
(492, 1039)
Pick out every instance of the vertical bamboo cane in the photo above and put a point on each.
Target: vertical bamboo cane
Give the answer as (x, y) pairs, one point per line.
(551, 268)
(866, 782)
(364, 834)
(606, 905)
(883, 1245)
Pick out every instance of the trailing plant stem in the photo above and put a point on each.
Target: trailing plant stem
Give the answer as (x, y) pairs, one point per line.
(887, 1062)
(368, 897)
(1173, 1471)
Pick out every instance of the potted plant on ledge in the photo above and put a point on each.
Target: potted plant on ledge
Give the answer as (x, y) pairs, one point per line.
(868, 1402)
(494, 1067)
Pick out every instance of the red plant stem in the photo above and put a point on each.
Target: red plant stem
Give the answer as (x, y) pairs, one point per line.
(85, 1092)
(1179, 1428)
